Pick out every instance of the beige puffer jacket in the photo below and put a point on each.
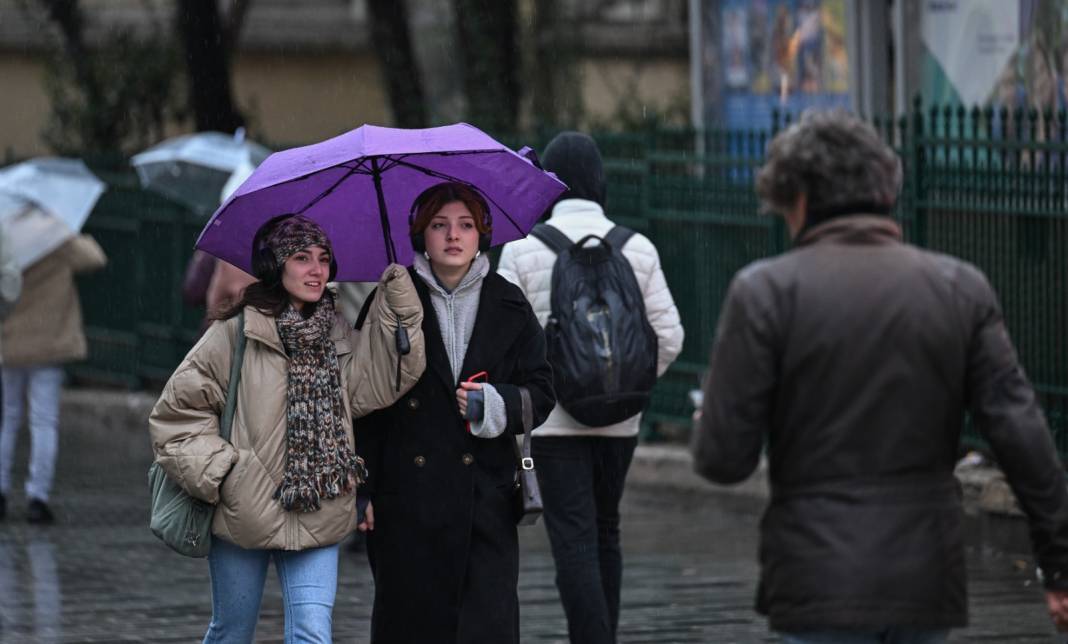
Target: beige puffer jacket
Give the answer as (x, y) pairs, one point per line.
(184, 424)
(46, 326)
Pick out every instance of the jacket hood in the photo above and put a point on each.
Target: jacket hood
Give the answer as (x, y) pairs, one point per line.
(576, 161)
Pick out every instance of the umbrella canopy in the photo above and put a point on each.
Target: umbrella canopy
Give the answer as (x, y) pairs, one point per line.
(64, 188)
(192, 169)
(360, 186)
(43, 203)
(30, 233)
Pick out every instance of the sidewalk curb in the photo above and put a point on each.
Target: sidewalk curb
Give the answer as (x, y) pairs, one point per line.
(125, 414)
(984, 488)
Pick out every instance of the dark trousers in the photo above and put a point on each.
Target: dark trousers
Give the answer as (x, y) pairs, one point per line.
(581, 480)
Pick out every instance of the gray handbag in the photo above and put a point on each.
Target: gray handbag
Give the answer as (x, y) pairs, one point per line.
(179, 520)
(526, 479)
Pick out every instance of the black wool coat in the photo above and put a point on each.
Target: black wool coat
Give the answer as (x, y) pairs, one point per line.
(445, 518)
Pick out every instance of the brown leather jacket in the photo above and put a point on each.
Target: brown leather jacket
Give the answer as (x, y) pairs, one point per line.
(853, 358)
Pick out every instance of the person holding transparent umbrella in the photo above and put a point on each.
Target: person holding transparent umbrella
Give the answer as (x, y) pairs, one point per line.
(43, 204)
(43, 333)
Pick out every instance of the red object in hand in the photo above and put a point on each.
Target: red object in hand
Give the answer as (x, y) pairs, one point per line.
(475, 378)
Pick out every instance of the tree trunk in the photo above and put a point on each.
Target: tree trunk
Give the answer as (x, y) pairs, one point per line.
(392, 42)
(208, 66)
(489, 54)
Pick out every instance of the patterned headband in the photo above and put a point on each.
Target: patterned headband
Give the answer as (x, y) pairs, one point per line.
(294, 235)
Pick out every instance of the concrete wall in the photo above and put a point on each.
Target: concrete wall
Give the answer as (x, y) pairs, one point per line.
(298, 98)
(25, 107)
(659, 83)
(301, 98)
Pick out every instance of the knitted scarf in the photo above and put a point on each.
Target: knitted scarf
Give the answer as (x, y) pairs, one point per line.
(319, 462)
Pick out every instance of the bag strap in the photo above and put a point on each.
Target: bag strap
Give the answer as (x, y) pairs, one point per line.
(235, 378)
(527, 412)
(618, 236)
(551, 236)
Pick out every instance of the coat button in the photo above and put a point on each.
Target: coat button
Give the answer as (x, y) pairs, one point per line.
(468, 459)
(413, 403)
(420, 461)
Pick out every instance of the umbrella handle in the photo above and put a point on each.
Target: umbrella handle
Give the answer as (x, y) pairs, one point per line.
(404, 347)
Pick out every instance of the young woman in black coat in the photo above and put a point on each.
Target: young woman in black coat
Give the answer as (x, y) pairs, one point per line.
(442, 516)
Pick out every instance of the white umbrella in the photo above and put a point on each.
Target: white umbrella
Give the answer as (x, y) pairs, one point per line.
(64, 188)
(43, 203)
(192, 169)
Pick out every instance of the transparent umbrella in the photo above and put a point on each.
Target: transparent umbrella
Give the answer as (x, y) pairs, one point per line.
(192, 169)
(43, 203)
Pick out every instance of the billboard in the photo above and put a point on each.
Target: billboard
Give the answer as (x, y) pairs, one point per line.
(758, 55)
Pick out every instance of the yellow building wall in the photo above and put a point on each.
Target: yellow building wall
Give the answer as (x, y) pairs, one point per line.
(290, 99)
(660, 84)
(294, 99)
(23, 106)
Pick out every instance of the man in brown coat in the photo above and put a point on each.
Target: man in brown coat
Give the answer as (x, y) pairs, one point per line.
(852, 358)
(43, 333)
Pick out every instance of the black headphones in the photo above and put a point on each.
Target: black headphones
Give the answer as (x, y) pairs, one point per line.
(264, 265)
(419, 239)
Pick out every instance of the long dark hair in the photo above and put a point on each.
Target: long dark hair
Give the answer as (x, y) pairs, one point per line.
(269, 299)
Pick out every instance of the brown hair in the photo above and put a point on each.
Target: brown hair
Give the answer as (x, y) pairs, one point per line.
(433, 199)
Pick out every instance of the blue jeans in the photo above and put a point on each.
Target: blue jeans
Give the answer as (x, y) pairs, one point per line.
(581, 480)
(41, 385)
(309, 583)
(890, 635)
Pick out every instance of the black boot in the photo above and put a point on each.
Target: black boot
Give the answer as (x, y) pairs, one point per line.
(3, 506)
(38, 512)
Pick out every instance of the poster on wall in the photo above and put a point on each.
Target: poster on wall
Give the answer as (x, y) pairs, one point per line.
(785, 54)
(1002, 53)
(970, 45)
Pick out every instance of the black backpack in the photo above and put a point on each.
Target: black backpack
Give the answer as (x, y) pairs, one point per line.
(601, 346)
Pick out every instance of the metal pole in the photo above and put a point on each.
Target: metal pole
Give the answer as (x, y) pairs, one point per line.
(383, 214)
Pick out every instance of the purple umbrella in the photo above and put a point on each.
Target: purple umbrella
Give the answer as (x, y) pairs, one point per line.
(360, 186)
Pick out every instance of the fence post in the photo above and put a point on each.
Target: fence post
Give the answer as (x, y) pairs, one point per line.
(777, 243)
(916, 160)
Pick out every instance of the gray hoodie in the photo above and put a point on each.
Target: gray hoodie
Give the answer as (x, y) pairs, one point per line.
(456, 312)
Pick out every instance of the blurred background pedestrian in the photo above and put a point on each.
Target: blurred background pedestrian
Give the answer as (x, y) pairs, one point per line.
(43, 333)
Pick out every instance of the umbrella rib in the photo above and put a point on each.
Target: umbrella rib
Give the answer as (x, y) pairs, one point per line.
(442, 175)
(327, 192)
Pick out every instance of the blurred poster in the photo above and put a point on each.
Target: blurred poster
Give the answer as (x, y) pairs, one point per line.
(970, 43)
(785, 54)
(1005, 53)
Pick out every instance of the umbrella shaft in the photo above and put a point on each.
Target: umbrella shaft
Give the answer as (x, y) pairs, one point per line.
(376, 176)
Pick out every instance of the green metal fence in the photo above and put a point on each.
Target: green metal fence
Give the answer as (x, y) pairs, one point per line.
(988, 186)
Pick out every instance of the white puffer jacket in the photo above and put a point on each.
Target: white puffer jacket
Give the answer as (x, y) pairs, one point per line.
(528, 263)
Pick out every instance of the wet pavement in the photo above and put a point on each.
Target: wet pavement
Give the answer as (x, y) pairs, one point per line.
(99, 575)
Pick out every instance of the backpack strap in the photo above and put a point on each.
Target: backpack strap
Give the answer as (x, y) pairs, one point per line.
(551, 236)
(618, 236)
(227, 420)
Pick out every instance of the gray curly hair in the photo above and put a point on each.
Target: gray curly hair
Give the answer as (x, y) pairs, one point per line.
(834, 158)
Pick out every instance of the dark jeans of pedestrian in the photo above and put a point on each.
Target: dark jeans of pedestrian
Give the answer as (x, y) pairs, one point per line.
(581, 480)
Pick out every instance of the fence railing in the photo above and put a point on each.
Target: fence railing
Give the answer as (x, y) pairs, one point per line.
(989, 186)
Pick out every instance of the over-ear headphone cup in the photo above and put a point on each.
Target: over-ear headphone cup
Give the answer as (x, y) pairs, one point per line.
(484, 241)
(419, 243)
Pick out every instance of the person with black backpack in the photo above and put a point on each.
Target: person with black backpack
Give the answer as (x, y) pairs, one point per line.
(611, 329)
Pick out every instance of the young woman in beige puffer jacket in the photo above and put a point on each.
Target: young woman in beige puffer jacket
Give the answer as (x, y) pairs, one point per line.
(285, 483)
